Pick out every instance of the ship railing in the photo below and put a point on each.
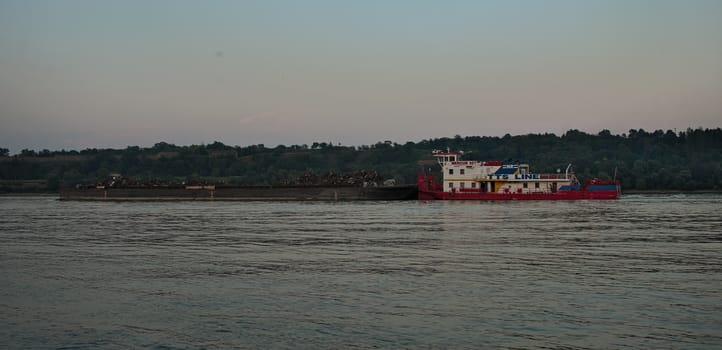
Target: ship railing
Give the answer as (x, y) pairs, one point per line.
(554, 177)
(519, 190)
(474, 190)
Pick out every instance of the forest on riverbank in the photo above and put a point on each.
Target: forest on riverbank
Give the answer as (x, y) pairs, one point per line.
(658, 160)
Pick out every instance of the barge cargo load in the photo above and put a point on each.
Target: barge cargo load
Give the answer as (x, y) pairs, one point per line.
(242, 193)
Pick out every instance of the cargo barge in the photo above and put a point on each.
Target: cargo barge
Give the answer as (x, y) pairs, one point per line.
(497, 180)
(241, 193)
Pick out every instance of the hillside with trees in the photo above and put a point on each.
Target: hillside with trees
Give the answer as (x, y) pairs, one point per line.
(658, 160)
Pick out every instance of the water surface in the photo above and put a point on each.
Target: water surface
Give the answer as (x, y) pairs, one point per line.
(641, 272)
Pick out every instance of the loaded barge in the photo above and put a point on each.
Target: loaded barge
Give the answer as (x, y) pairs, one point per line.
(243, 193)
(496, 180)
(330, 187)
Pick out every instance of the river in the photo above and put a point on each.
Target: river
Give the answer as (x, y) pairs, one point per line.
(641, 272)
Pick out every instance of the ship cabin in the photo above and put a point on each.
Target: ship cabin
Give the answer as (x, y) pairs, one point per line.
(498, 176)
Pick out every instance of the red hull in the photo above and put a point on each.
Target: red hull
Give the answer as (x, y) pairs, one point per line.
(562, 195)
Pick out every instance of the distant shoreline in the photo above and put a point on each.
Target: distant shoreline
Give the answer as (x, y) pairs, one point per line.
(624, 192)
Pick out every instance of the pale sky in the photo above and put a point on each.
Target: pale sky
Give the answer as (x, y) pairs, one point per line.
(94, 73)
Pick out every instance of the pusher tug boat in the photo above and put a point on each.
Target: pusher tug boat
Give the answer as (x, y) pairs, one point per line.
(497, 180)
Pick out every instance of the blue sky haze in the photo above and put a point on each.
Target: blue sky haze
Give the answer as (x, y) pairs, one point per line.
(98, 73)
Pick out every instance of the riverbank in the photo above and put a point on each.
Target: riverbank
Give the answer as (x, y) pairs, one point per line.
(624, 192)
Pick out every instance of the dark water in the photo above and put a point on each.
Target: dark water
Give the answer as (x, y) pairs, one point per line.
(643, 272)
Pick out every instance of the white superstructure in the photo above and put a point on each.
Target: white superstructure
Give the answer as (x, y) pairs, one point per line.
(498, 177)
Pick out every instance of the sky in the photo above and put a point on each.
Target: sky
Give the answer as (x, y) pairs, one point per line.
(78, 74)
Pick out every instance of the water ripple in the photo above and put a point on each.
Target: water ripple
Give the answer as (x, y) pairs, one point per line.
(642, 272)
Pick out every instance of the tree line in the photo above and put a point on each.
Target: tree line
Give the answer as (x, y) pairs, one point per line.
(658, 160)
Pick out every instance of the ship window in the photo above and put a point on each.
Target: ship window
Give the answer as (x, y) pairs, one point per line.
(461, 185)
(451, 171)
(526, 185)
(461, 171)
(473, 185)
(536, 185)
